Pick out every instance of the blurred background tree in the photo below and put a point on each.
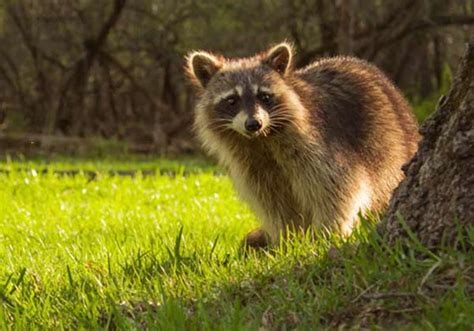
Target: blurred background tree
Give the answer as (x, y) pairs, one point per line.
(113, 69)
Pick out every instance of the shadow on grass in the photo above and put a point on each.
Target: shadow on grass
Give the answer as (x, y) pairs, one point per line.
(360, 283)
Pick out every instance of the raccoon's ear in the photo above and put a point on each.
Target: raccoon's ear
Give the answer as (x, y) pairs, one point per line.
(279, 58)
(201, 66)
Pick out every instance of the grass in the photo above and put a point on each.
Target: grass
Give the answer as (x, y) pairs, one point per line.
(162, 253)
(101, 164)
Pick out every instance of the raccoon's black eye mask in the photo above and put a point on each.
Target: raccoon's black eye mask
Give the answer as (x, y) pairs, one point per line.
(231, 100)
(265, 98)
(228, 106)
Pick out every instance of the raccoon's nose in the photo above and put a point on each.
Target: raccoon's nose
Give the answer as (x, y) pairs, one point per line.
(252, 124)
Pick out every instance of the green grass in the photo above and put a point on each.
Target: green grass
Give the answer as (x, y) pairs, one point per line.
(423, 107)
(162, 252)
(109, 163)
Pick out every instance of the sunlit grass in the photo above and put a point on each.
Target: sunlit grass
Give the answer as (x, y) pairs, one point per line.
(105, 164)
(162, 252)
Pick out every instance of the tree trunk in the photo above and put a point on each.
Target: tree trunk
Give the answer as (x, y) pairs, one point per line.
(436, 199)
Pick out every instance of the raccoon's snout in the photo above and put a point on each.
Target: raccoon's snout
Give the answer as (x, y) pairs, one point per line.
(252, 124)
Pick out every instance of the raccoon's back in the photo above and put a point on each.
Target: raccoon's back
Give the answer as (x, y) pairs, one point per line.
(363, 120)
(358, 110)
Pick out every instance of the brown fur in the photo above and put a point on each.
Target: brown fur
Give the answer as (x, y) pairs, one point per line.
(338, 133)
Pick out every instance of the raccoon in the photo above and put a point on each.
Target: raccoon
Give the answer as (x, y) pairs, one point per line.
(305, 148)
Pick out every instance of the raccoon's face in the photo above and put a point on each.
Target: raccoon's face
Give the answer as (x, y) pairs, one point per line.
(245, 96)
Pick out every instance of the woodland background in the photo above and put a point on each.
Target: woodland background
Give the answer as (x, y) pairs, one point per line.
(114, 69)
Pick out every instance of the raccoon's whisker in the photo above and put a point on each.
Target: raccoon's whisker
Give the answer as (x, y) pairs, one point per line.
(220, 121)
(277, 126)
(220, 127)
(278, 121)
(282, 117)
(282, 121)
(280, 108)
(280, 114)
(216, 124)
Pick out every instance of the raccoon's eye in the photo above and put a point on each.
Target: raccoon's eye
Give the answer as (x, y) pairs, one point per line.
(265, 98)
(231, 100)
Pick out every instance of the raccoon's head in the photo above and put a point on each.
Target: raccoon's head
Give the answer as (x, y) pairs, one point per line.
(247, 97)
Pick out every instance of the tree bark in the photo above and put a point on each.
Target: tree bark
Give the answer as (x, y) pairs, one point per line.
(436, 199)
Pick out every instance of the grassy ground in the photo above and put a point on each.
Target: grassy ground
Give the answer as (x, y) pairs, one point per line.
(162, 252)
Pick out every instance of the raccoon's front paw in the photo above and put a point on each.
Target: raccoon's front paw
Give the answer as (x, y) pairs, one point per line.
(256, 239)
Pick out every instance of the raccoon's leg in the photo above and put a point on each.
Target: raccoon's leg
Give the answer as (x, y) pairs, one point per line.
(256, 239)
